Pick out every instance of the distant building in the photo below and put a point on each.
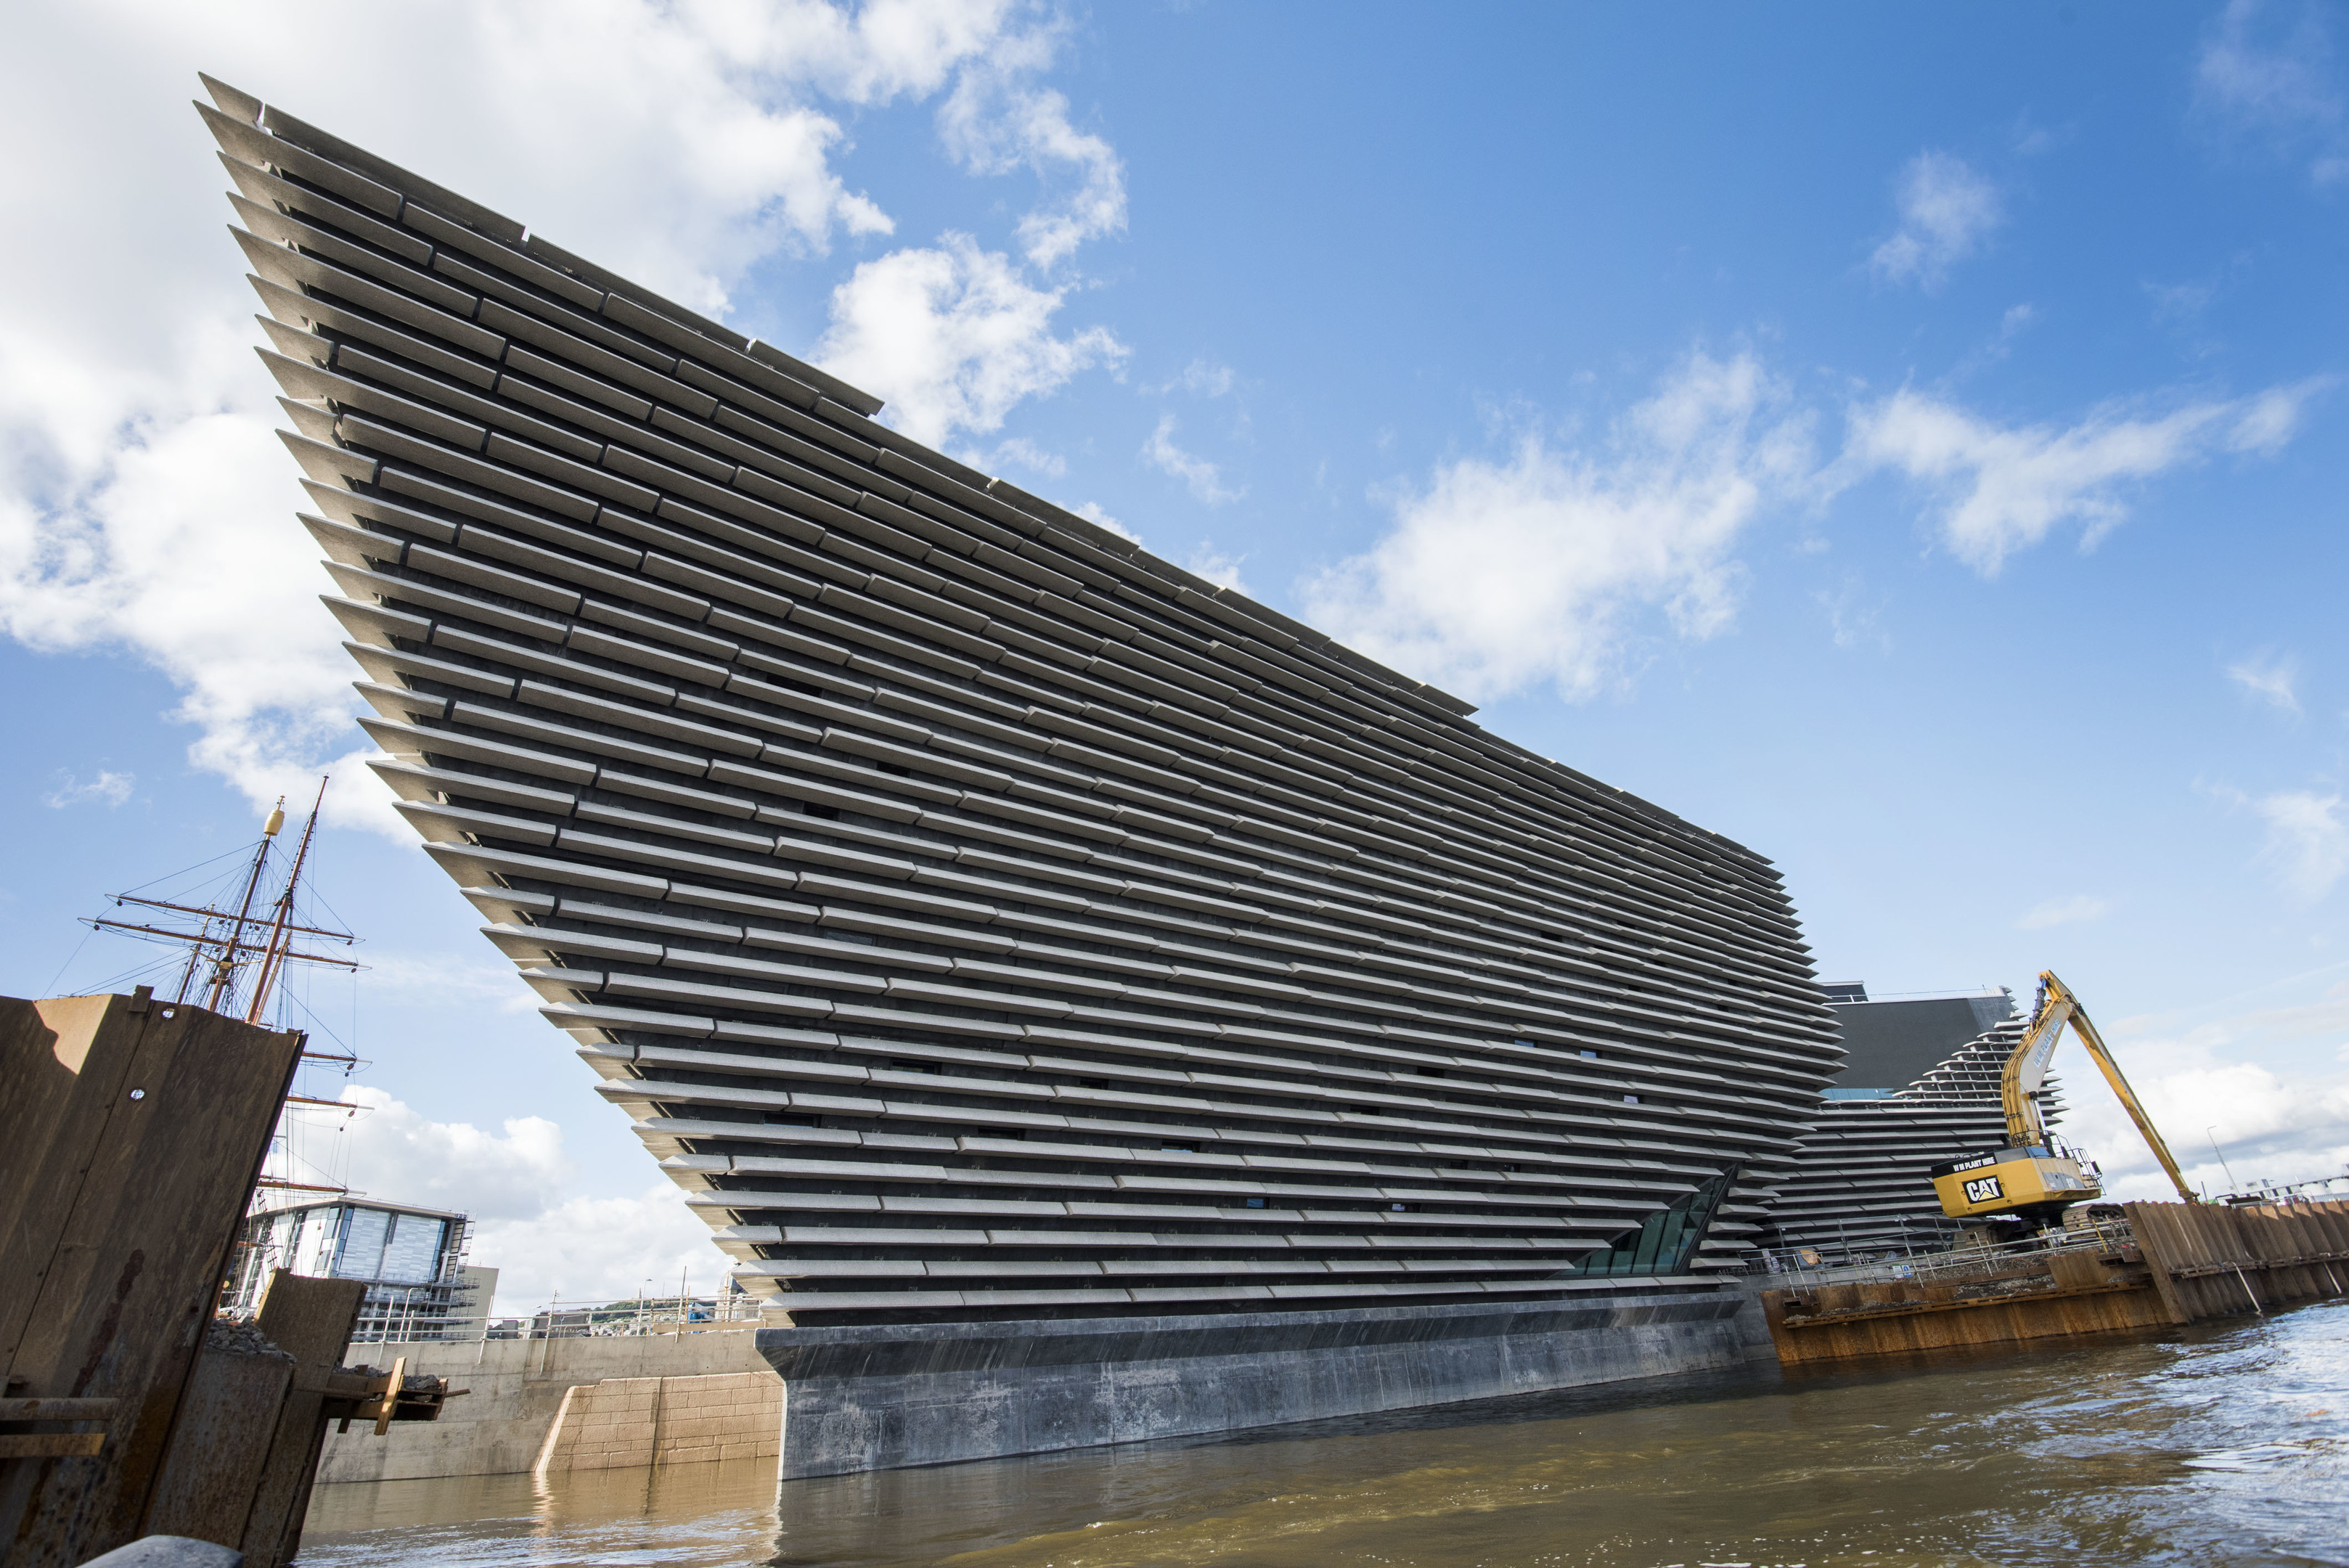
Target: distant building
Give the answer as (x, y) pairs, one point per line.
(1920, 1085)
(411, 1261)
(477, 1292)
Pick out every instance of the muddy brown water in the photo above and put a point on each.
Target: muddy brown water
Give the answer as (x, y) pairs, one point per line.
(2225, 1444)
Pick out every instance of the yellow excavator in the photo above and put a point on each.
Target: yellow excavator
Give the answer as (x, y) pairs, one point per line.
(2034, 1179)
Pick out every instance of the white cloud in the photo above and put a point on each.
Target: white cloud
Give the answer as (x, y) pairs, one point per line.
(997, 122)
(1203, 378)
(2258, 1085)
(144, 503)
(111, 787)
(2004, 488)
(1218, 568)
(393, 1152)
(1852, 622)
(881, 50)
(1947, 210)
(2307, 843)
(2012, 326)
(1024, 452)
(954, 338)
(455, 979)
(2233, 1118)
(1095, 514)
(1501, 574)
(2262, 82)
(2269, 677)
(955, 335)
(2077, 910)
(2180, 302)
(600, 1249)
(1202, 478)
(2269, 420)
(516, 1185)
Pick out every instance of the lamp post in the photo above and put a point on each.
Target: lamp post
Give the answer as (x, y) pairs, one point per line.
(2211, 1133)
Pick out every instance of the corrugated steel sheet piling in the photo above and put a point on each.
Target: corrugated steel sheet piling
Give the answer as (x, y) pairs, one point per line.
(2185, 1263)
(2209, 1260)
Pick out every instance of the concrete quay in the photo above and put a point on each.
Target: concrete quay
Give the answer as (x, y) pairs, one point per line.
(832, 1401)
(891, 1397)
(520, 1405)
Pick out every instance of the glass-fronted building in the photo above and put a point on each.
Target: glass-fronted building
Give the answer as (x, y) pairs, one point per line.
(411, 1259)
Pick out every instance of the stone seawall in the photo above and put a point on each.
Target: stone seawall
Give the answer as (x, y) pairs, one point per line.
(518, 1387)
(627, 1423)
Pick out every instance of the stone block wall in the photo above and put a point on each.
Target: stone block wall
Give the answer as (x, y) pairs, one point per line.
(516, 1392)
(628, 1423)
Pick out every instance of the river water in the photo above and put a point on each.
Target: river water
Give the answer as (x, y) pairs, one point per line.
(2223, 1444)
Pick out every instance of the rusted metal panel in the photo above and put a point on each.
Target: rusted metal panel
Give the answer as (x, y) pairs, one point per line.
(2039, 1314)
(128, 1157)
(2158, 1242)
(311, 1321)
(56, 1410)
(49, 1445)
(57, 1098)
(2178, 1263)
(220, 1445)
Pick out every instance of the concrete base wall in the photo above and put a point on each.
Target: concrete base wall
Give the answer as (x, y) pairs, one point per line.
(628, 1423)
(518, 1386)
(888, 1398)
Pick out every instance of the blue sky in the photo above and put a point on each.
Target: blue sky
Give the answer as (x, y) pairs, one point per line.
(1907, 440)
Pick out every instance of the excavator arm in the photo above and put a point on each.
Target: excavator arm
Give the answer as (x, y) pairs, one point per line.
(2027, 1069)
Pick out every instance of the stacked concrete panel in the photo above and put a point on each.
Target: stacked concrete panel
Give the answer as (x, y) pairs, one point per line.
(1920, 1086)
(635, 1423)
(979, 916)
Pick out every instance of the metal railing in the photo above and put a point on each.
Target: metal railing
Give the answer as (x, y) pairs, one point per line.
(420, 1319)
(1957, 1263)
(653, 1315)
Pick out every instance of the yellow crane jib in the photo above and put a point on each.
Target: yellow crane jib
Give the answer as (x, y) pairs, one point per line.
(2033, 1177)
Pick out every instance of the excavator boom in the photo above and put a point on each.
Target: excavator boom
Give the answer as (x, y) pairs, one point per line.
(2128, 1097)
(2029, 1178)
(2027, 1068)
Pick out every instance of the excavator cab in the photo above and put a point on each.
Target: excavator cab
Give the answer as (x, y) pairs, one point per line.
(2035, 1179)
(2033, 1184)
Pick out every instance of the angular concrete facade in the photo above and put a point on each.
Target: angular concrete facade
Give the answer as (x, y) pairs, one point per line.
(982, 918)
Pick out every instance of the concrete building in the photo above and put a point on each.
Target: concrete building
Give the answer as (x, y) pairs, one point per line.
(982, 920)
(1918, 1086)
(474, 1300)
(412, 1261)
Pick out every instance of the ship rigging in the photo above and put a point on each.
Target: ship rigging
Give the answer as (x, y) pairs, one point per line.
(238, 949)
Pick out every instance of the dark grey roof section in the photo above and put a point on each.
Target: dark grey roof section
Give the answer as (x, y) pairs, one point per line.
(978, 915)
(1893, 1044)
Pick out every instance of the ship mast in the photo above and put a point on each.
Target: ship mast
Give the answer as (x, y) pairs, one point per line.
(222, 942)
(224, 966)
(277, 949)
